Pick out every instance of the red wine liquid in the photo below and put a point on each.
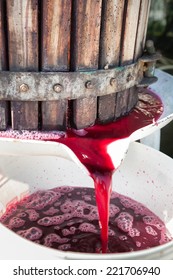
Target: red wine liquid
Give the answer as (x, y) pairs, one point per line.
(90, 146)
(66, 218)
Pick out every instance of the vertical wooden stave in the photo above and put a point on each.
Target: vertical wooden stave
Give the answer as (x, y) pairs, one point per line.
(3, 66)
(22, 17)
(55, 41)
(127, 99)
(130, 31)
(56, 24)
(146, 23)
(139, 45)
(85, 55)
(110, 40)
(142, 27)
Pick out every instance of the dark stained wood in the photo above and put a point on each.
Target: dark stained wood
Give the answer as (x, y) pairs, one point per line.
(3, 115)
(22, 19)
(126, 101)
(85, 112)
(121, 103)
(111, 29)
(3, 66)
(133, 98)
(106, 108)
(54, 114)
(85, 54)
(55, 40)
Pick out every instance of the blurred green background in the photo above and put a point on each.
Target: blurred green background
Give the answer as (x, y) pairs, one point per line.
(160, 30)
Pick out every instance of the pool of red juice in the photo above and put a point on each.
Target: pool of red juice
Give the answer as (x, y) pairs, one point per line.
(90, 146)
(66, 218)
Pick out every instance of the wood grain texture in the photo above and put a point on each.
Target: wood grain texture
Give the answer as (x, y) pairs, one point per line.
(56, 24)
(85, 54)
(86, 34)
(111, 30)
(130, 30)
(141, 30)
(140, 45)
(54, 115)
(127, 99)
(3, 66)
(22, 19)
(133, 98)
(55, 42)
(121, 103)
(106, 108)
(146, 23)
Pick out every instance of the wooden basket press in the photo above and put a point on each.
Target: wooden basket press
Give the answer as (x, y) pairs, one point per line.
(69, 62)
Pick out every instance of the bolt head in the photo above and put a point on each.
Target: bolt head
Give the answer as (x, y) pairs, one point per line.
(24, 88)
(89, 85)
(129, 77)
(57, 88)
(112, 81)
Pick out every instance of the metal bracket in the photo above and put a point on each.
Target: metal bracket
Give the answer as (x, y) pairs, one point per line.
(149, 61)
(49, 86)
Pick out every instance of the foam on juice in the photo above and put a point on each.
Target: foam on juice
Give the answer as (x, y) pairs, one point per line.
(73, 223)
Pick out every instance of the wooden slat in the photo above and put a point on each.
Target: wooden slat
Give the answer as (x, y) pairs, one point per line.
(106, 108)
(54, 115)
(85, 54)
(127, 99)
(56, 24)
(3, 61)
(3, 115)
(121, 103)
(111, 29)
(23, 55)
(3, 66)
(140, 45)
(146, 23)
(133, 98)
(141, 31)
(130, 30)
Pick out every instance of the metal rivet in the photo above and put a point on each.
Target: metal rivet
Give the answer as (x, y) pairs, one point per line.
(129, 77)
(57, 88)
(112, 81)
(89, 85)
(24, 88)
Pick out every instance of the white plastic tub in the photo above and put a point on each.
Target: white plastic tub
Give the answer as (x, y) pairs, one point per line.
(146, 175)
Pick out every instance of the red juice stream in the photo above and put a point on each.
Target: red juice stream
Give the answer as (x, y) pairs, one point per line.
(90, 146)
